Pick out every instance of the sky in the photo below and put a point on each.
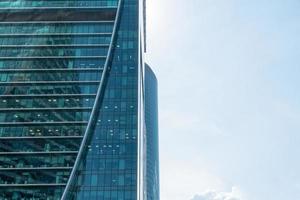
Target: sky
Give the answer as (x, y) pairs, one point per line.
(229, 99)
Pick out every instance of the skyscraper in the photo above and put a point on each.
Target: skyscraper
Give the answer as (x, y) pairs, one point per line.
(78, 107)
(151, 119)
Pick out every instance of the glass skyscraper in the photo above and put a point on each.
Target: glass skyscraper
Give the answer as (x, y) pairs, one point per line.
(151, 114)
(78, 105)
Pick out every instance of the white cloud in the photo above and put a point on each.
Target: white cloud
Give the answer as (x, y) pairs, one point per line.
(234, 194)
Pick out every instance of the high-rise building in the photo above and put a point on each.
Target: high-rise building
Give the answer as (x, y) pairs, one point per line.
(78, 105)
(151, 114)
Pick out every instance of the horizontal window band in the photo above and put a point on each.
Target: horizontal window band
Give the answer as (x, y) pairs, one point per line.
(51, 83)
(39, 152)
(59, 7)
(41, 123)
(104, 171)
(51, 57)
(47, 95)
(41, 137)
(26, 146)
(44, 136)
(26, 15)
(43, 109)
(51, 70)
(58, 45)
(60, 22)
(36, 169)
(33, 185)
(53, 34)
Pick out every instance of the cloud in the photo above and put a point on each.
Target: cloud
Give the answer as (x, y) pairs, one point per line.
(234, 194)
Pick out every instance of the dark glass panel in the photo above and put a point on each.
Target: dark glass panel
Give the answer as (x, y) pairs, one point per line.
(34, 160)
(46, 102)
(52, 51)
(14, 76)
(34, 177)
(30, 15)
(62, 63)
(57, 3)
(55, 27)
(54, 39)
(30, 193)
(42, 130)
(39, 144)
(44, 116)
(49, 89)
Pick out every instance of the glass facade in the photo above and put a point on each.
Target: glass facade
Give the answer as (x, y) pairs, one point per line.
(151, 120)
(73, 105)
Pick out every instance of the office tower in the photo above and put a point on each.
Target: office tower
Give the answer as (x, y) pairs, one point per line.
(73, 98)
(152, 155)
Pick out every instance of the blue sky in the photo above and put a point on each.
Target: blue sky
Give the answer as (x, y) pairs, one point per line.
(229, 99)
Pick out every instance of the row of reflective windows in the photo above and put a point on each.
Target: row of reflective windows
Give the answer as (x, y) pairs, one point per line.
(53, 51)
(38, 145)
(39, 107)
(61, 102)
(64, 102)
(59, 116)
(107, 180)
(41, 28)
(67, 89)
(37, 177)
(113, 136)
(44, 116)
(48, 89)
(64, 160)
(35, 161)
(51, 76)
(127, 193)
(78, 76)
(98, 165)
(108, 134)
(45, 130)
(54, 40)
(59, 3)
(54, 193)
(63, 63)
(49, 145)
(120, 149)
(52, 64)
(33, 193)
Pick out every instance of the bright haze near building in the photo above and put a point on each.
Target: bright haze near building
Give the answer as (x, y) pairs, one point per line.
(229, 99)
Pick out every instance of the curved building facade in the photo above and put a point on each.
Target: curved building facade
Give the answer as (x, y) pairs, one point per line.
(151, 120)
(74, 102)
